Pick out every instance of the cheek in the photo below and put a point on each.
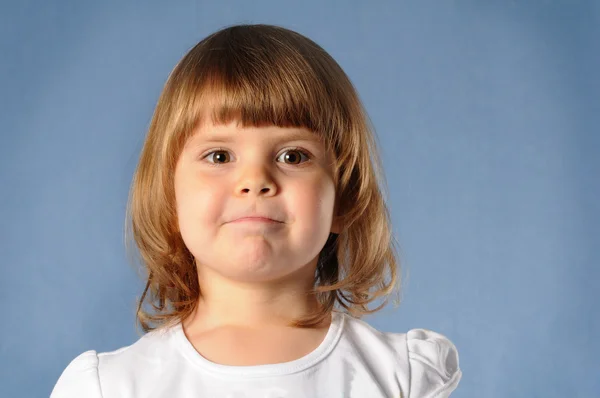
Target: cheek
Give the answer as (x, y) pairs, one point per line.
(313, 203)
(327, 202)
(199, 205)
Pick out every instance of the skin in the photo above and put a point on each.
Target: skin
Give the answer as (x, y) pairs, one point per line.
(254, 275)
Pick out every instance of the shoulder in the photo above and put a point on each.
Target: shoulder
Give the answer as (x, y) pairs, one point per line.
(423, 363)
(434, 364)
(79, 378)
(91, 374)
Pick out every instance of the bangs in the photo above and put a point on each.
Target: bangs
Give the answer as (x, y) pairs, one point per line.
(258, 81)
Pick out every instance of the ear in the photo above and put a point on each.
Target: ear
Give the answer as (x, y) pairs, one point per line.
(336, 225)
(336, 222)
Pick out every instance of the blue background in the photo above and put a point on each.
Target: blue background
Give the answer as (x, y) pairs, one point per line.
(487, 113)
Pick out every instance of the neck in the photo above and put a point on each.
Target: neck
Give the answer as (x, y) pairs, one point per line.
(227, 303)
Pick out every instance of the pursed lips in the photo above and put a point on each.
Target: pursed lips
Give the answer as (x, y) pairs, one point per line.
(255, 219)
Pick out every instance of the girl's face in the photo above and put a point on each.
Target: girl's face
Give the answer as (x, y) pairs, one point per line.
(284, 175)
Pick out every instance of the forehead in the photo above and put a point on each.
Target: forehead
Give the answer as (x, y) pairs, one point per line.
(235, 130)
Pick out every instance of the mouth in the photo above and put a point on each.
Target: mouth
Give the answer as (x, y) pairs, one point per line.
(256, 220)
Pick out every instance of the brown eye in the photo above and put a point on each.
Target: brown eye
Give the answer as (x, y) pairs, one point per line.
(219, 156)
(293, 156)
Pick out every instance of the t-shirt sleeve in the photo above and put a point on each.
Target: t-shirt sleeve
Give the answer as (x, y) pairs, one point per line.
(433, 360)
(80, 378)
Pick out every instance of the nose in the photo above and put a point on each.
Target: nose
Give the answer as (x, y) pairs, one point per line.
(256, 180)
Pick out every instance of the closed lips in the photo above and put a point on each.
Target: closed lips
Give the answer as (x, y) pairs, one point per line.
(263, 219)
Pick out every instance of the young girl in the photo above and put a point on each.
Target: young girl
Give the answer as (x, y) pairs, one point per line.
(258, 211)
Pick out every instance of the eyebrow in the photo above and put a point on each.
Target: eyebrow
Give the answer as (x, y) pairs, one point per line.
(292, 136)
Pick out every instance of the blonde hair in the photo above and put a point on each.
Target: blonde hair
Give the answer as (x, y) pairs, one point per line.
(263, 75)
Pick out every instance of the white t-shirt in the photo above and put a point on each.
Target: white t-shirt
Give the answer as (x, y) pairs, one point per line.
(354, 360)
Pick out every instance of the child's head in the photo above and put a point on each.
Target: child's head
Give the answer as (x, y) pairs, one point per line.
(275, 95)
